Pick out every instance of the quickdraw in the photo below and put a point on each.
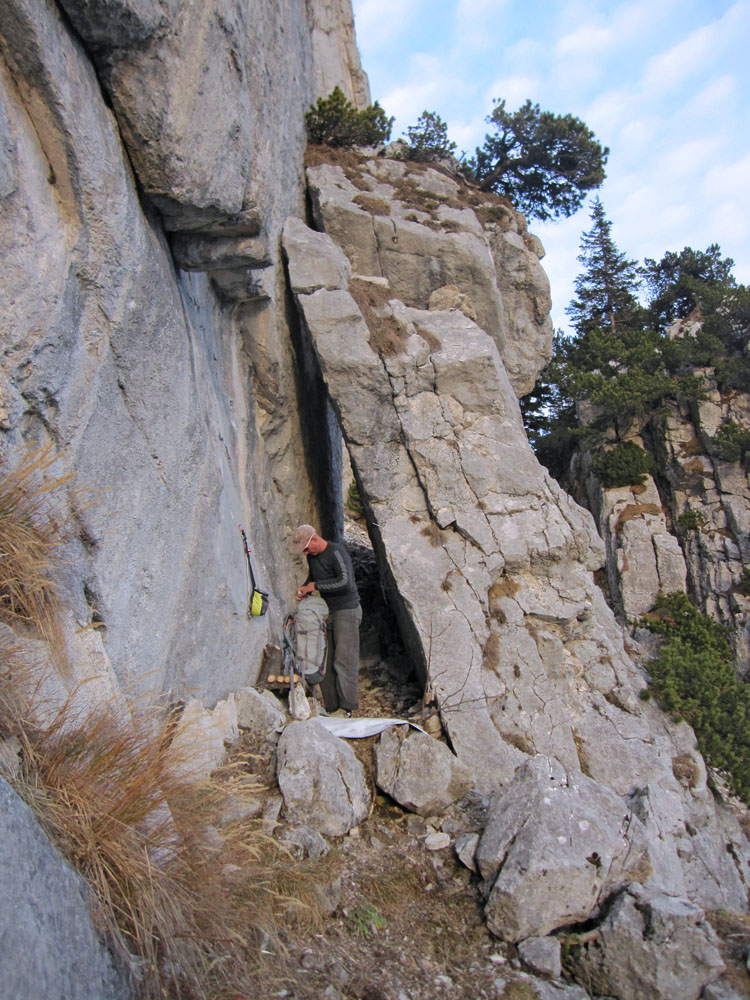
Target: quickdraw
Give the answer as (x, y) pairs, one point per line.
(257, 603)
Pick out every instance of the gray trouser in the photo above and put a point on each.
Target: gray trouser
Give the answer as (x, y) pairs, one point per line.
(339, 686)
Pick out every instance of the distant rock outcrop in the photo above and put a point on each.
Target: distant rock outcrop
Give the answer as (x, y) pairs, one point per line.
(687, 528)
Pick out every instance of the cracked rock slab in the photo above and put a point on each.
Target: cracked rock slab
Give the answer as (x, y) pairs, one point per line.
(652, 945)
(554, 847)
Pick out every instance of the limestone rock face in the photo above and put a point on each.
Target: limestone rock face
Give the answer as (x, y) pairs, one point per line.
(191, 90)
(492, 563)
(50, 947)
(644, 558)
(336, 56)
(554, 847)
(653, 944)
(424, 231)
(169, 393)
(322, 782)
(694, 534)
(149, 155)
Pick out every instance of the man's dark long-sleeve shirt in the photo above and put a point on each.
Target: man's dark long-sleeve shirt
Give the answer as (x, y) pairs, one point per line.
(333, 575)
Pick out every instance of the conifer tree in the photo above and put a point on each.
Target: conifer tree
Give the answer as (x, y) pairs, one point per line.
(428, 139)
(605, 290)
(544, 163)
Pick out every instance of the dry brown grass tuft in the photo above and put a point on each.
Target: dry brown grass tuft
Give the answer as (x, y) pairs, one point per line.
(433, 534)
(696, 466)
(633, 510)
(375, 206)
(433, 342)
(30, 538)
(491, 652)
(193, 912)
(387, 335)
(519, 741)
(686, 770)
(408, 192)
(344, 158)
(692, 447)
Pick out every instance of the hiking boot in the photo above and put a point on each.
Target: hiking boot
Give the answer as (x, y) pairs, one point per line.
(341, 713)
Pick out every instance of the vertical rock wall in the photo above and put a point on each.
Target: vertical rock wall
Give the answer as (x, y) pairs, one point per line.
(148, 153)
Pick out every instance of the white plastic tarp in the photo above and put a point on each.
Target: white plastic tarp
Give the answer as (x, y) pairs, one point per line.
(358, 729)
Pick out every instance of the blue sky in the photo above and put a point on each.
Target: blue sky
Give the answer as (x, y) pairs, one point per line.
(664, 83)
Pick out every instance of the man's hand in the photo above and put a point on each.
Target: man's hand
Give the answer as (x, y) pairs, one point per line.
(306, 589)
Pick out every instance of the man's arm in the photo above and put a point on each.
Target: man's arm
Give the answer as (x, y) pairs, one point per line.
(342, 578)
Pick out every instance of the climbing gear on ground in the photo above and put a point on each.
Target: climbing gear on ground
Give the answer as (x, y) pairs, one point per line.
(305, 639)
(257, 603)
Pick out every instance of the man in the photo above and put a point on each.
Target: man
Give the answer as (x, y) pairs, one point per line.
(330, 571)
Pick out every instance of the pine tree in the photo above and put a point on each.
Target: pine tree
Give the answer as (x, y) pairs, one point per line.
(605, 291)
(544, 163)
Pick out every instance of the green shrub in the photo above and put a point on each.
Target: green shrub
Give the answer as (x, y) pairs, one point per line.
(733, 373)
(731, 443)
(675, 616)
(691, 520)
(366, 921)
(334, 121)
(353, 501)
(624, 465)
(428, 139)
(693, 677)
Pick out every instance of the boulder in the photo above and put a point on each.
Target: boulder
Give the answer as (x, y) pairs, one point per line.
(419, 772)
(651, 945)
(542, 954)
(423, 234)
(305, 842)
(555, 846)
(437, 841)
(50, 948)
(197, 747)
(322, 782)
(314, 262)
(720, 991)
(530, 988)
(261, 713)
(466, 849)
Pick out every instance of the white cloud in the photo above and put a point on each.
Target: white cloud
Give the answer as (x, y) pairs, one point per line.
(687, 160)
(514, 89)
(585, 42)
(712, 100)
(726, 190)
(477, 22)
(701, 49)
(475, 10)
(467, 135)
(381, 21)
(525, 52)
